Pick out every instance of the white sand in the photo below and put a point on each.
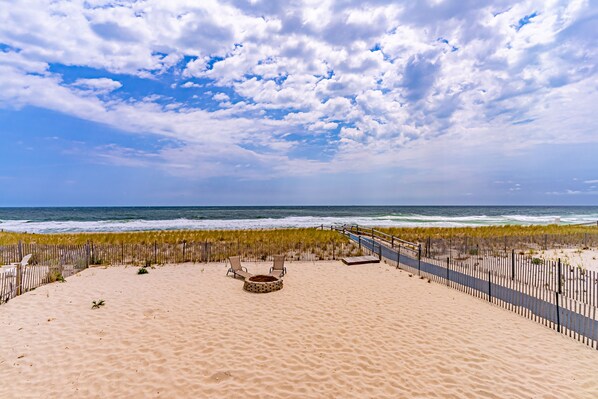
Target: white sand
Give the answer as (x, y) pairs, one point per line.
(576, 257)
(333, 332)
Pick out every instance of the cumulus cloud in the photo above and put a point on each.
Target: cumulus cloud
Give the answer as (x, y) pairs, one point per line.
(102, 85)
(376, 77)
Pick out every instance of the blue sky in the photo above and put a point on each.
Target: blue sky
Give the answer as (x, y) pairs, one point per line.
(304, 102)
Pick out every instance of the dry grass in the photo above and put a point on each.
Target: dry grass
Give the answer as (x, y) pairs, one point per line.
(417, 234)
(247, 237)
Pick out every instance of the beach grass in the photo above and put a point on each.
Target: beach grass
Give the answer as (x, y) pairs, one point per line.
(306, 236)
(419, 234)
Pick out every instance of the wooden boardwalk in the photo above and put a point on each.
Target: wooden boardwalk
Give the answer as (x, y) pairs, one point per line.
(360, 260)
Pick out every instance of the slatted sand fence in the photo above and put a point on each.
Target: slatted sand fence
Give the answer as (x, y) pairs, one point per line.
(554, 305)
(47, 263)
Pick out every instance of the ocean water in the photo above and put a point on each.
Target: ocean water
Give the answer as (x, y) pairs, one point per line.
(105, 219)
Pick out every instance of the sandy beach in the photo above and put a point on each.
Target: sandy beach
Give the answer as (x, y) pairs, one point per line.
(333, 331)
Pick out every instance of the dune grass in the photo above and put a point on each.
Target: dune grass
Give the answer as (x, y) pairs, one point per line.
(286, 236)
(419, 234)
(247, 237)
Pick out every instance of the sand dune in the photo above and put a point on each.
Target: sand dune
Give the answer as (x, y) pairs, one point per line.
(332, 332)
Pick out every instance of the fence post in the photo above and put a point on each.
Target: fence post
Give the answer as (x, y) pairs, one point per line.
(372, 234)
(512, 264)
(559, 277)
(558, 316)
(19, 278)
(359, 240)
(392, 241)
(184, 249)
(419, 258)
(155, 252)
(92, 256)
(20, 248)
(87, 254)
(380, 252)
(489, 285)
(448, 259)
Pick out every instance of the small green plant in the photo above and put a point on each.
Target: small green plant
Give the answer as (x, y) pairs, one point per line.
(536, 261)
(142, 270)
(97, 304)
(55, 275)
(473, 251)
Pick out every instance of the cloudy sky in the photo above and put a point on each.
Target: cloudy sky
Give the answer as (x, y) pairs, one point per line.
(303, 102)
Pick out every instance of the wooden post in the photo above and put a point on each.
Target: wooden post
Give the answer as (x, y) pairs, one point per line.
(419, 258)
(87, 254)
(448, 259)
(185, 248)
(513, 264)
(92, 254)
(359, 240)
(559, 276)
(392, 241)
(379, 251)
(20, 247)
(489, 286)
(558, 316)
(155, 252)
(19, 278)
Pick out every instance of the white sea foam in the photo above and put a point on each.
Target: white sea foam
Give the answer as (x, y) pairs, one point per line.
(287, 222)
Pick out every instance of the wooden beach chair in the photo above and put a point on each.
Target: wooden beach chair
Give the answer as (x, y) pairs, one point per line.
(278, 270)
(236, 269)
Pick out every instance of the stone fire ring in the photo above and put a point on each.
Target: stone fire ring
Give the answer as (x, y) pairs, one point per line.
(260, 284)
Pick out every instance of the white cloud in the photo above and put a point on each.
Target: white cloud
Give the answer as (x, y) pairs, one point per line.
(221, 97)
(103, 85)
(188, 85)
(386, 76)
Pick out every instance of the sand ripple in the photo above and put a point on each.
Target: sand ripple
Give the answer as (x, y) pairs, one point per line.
(332, 332)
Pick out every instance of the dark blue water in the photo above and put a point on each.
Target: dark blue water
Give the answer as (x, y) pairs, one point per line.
(44, 220)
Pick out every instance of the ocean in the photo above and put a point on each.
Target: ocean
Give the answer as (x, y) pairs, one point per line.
(107, 219)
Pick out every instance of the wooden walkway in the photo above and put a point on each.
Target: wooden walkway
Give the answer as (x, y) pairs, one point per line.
(360, 260)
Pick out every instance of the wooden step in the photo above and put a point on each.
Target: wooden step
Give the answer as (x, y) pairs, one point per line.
(360, 260)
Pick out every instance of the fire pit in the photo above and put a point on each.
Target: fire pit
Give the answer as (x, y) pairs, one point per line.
(262, 283)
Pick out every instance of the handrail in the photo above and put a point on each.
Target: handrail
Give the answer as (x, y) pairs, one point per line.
(354, 228)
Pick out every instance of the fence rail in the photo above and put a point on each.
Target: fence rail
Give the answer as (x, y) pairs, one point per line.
(542, 291)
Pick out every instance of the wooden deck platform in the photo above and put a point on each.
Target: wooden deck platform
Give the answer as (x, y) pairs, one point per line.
(360, 260)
